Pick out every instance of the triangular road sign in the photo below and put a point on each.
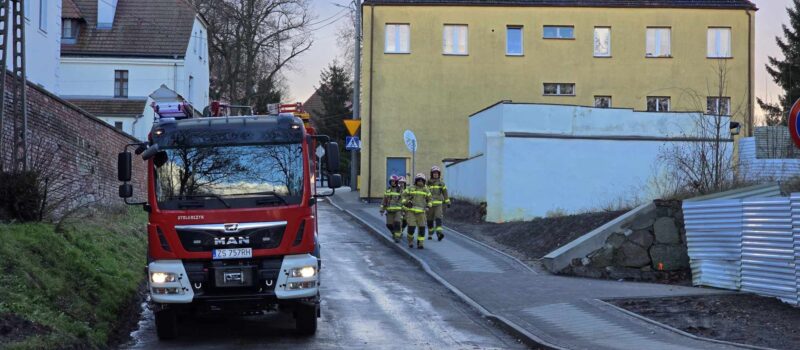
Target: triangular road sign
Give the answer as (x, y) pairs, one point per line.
(352, 126)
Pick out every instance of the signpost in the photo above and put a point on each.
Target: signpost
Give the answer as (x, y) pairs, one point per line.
(320, 152)
(794, 123)
(352, 126)
(411, 143)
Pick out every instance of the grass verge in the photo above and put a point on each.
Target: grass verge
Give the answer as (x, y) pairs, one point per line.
(67, 289)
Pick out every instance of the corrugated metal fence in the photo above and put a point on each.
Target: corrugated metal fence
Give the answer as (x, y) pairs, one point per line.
(750, 244)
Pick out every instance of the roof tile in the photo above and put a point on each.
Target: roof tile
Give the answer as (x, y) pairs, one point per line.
(117, 107)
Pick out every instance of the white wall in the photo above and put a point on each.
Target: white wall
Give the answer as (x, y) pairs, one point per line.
(94, 76)
(754, 169)
(565, 158)
(43, 45)
(196, 66)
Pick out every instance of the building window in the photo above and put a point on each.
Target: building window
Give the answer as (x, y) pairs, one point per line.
(69, 31)
(559, 32)
(42, 15)
(602, 42)
(658, 42)
(559, 89)
(398, 38)
(719, 43)
(121, 83)
(118, 126)
(658, 104)
(718, 106)
(455, 40)
(602, 101)
(514, 40)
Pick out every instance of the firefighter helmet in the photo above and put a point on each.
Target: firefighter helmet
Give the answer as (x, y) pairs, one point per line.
(394, 178)
(401, 179)
(435, 169)
(420, 176)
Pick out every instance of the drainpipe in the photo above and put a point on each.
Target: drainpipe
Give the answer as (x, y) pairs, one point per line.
(175, 74)
(750, 73)
(371, 56)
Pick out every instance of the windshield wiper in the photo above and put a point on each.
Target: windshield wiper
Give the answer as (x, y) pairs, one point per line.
(269, 193)
(190, 204)
(207, 196)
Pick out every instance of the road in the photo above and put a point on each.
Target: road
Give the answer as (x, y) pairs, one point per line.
(372, 298)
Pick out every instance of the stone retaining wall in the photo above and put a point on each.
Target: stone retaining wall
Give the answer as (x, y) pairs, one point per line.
(651, 247)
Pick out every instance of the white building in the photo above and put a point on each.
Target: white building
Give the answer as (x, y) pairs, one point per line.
(42, 43)
(115, 53)
(529, 160)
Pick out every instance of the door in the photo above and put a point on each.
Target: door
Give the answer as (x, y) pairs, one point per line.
(395, 166)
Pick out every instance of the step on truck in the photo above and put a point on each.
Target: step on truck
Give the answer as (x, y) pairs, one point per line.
(232, 209)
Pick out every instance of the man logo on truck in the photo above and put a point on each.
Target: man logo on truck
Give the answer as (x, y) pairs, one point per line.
(231, 240)
(231, 227)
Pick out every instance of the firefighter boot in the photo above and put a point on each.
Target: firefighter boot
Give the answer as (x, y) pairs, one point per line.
(420, 240)
(439, 229)
(431, 229)
(410, 236)
(397, 232)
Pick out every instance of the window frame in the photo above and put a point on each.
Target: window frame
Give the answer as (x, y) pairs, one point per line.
(455, 44)
(521, 40)
(398, 39)
(121, 77)
(119, 125)
(74, 31)
(558, 89)
(42, 15)
(558, 31)
(717, 105)
(658, 104)
(656, 41)
(730, 43)
(610, 101)
(594, 42)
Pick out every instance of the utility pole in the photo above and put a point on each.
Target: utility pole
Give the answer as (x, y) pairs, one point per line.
(356, 90)
(12, 11)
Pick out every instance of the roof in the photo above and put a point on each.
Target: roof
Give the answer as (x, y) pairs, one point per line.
(313, 105)
(117, 107)
(142, 28)
(70, 11)
(721, 4)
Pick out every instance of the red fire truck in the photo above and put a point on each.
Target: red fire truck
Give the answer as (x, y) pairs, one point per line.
(232, 214)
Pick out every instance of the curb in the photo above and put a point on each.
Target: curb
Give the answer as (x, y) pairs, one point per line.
(526, 266)
(673, 329)
(527, 338)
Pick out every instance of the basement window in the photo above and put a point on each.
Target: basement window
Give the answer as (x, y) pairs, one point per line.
(718, 106)
(602, 101)
(658, 104)
(559, 89)
(559, 32)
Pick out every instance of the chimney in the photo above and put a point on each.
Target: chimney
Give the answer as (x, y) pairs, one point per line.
(106, 9)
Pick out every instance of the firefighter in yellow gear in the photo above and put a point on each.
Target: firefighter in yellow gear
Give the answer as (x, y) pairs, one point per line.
(392, 207)
(401, 183)
(417, 200)
(439, 199)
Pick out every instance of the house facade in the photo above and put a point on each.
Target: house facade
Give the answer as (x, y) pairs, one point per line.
(42, 43)
(428, 64)
(115, 53)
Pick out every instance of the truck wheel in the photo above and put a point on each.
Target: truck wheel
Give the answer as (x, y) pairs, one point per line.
(166, 324)
(306, 319)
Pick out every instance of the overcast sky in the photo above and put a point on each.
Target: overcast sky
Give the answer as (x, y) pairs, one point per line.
(304, 77)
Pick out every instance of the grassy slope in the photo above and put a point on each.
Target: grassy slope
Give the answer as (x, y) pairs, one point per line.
(74, 283)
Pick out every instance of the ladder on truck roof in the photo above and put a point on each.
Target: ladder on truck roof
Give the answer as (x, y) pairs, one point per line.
(13, 11)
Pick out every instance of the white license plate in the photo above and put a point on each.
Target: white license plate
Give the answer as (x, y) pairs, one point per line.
(237, 253)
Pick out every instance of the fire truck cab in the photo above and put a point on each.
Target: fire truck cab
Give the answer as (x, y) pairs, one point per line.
(232, 214)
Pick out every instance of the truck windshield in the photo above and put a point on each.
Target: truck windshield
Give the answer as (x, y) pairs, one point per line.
(237, 176)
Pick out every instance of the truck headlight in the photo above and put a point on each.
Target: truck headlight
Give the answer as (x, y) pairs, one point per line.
(304, 272)
(162, 277)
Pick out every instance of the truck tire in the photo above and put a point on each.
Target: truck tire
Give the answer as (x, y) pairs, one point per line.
(166, 324)
(306, 319)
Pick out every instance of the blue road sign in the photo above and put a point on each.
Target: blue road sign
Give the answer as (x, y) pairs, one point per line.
(352, 143)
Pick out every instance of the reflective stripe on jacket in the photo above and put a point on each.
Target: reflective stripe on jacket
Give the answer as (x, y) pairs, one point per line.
(392, 199)
(438, 192)
(419, 197)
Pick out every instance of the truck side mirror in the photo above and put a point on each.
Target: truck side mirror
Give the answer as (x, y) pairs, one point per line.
(124, 166)
(125, 190)
(332, 154)
(334, 181)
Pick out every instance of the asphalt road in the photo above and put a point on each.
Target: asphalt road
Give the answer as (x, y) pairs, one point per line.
(372, 298)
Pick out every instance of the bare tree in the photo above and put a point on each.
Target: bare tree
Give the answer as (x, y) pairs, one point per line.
(705, 164)
(251, 42)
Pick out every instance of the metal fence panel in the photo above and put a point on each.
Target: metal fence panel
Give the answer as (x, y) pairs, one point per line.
(796, 233)
(768, 258)
(714, 239)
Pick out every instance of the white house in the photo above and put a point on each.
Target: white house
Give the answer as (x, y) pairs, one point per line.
(115, 53)
(528, 160)
(42, 43)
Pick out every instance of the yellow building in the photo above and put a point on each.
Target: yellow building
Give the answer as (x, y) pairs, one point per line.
(429, 64)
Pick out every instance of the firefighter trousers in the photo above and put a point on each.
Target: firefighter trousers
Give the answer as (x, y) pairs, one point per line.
(416, 220)
(435, 216)
(394, 222)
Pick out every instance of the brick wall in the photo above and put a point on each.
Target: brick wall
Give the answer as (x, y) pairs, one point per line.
(77, 151)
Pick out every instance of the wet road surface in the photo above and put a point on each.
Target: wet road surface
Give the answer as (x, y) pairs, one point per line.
(372, 298)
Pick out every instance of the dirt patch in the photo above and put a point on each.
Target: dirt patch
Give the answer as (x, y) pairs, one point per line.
(128, 319)
(14, 328)
(526, 240)
(739, 318)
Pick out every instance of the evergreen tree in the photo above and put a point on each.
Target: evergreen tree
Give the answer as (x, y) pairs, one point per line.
(336, 92)
(786, 72)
